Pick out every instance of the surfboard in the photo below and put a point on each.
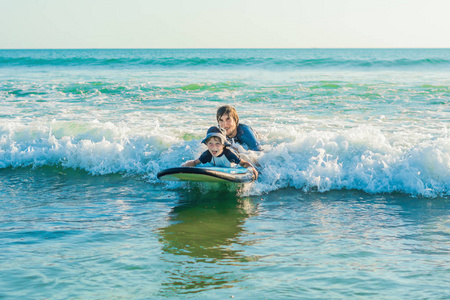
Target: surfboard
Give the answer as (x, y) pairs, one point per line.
(209, 174)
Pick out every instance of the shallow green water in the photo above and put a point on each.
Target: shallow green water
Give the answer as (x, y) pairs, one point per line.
(68, 235)
(352, 199)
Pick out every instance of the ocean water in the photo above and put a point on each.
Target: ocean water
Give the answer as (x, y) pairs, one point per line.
(352, 200)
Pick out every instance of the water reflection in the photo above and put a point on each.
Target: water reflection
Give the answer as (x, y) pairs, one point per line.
(204, 240)
(206, 225)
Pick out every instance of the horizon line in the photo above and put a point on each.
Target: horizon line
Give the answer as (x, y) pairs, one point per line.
(238, 48)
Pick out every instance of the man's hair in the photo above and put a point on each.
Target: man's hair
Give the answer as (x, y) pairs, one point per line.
(227, 110)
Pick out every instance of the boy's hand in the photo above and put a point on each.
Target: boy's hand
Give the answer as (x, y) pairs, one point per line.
(255, 172)
(190, 163)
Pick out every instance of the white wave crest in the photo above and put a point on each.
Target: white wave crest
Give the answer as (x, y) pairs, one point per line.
(361, 158)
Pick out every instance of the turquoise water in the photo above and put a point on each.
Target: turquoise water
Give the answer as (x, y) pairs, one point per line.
(352, 201)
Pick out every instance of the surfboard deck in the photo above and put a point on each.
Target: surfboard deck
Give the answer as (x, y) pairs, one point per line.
(208, 174)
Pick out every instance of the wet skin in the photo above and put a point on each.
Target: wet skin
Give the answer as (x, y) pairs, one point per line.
(229, 124)
(215, 146)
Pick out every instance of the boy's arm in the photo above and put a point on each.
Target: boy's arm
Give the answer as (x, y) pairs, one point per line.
(203, 159)
(246, 164)
(191, 163)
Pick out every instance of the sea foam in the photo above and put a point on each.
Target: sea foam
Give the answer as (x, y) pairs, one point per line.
(362, 158)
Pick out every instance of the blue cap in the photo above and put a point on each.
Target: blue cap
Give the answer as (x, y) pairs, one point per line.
(218, 132)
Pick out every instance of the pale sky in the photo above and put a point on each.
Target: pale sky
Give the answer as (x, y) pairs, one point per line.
(224, 24)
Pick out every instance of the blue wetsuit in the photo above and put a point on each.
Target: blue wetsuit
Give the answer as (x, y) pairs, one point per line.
(228, 158)
(246, 136)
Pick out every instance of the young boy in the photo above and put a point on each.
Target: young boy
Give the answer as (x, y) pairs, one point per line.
(218, 153)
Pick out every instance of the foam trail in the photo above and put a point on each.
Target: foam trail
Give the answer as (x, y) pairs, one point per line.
(362, 158)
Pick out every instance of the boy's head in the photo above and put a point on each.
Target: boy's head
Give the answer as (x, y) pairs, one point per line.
(216, 132)
(215, 140)
(215, 146)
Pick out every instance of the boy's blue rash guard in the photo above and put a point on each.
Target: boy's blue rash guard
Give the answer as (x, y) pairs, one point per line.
(246, 136)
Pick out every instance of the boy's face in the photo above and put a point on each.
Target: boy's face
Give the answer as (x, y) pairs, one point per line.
(229, 124)
(215, 146)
